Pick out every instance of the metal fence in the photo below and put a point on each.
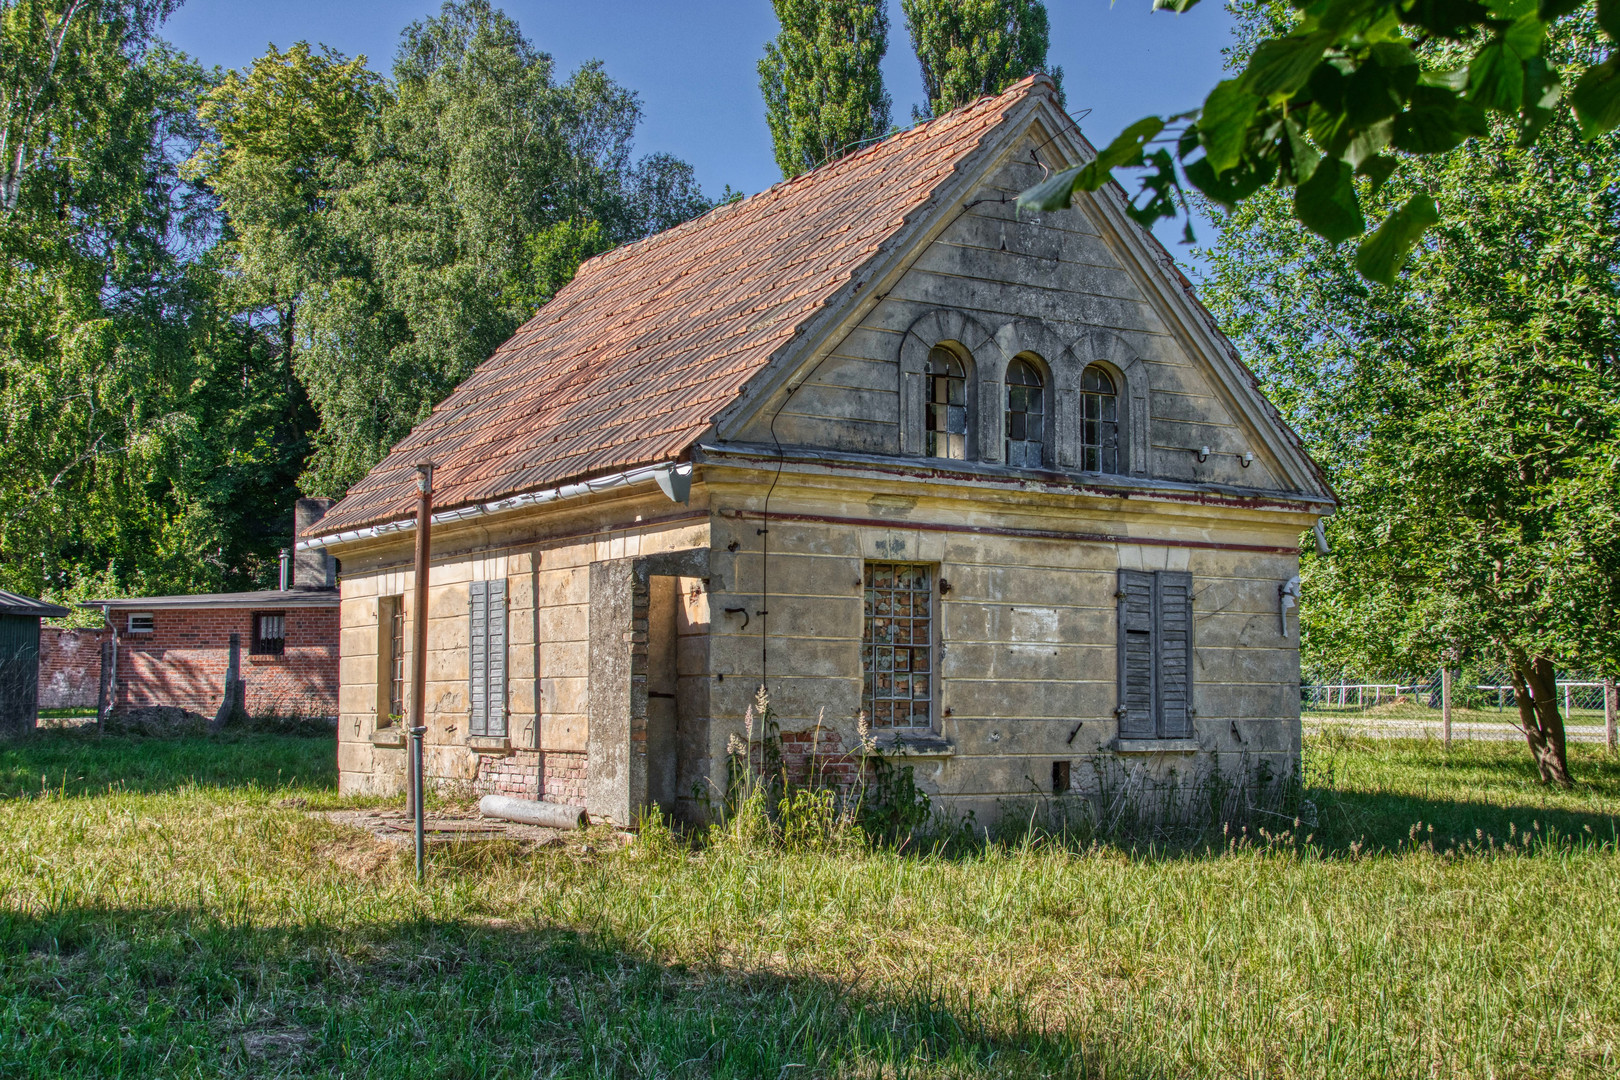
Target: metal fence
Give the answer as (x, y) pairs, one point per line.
(1481, 707)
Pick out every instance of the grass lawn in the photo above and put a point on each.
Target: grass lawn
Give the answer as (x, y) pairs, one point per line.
(170, 907)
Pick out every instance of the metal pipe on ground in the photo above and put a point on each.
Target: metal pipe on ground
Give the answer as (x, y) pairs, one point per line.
(530, 812)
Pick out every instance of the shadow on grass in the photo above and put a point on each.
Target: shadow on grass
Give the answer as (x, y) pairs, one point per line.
(77, 761)
(149, 991)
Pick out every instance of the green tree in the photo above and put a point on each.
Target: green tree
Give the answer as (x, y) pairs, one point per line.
(144, 445)
(1470, 419)
(54, 57)
(822, 79)
(970, 48)
(281, 131)
(1333, 100)
(479, 164)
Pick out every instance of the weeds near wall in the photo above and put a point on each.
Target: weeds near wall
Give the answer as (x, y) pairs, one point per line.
(764, 804)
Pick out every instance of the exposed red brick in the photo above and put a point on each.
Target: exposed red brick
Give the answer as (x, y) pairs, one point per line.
(182, 663)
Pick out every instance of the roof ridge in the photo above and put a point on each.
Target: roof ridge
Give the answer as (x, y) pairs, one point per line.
(820, 172)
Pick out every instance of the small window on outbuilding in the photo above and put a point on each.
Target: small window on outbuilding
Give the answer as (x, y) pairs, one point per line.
(897, 645)
(947, 404)
(1026, 416)
(269, 633)
(140, 622)
(1099, 422)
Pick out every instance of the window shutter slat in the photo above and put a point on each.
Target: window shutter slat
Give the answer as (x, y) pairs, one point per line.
(1136, 655)
(495, 704)
(478, 657)
(1175, 644)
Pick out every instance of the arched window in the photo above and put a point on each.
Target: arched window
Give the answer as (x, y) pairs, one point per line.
(947, 404)
(1099, 422)
(1026, 416)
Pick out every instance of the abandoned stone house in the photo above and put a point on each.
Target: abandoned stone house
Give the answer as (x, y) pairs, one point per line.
(872, 437)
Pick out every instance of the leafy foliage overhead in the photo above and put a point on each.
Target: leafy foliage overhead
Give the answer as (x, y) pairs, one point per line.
(823, 81)
(970, 48)
(1331, 102)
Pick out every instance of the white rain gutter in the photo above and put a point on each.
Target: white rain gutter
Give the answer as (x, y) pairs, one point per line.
(674, 480)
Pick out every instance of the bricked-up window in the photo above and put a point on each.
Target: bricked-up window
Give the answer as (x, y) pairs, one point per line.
(486, 658)
(1026, 416)
(269, 633)
(897, 645)
(1155, 654)
(1099, 422)
(947, 404)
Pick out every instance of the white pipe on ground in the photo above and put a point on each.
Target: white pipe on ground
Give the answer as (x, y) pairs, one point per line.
(530, 812)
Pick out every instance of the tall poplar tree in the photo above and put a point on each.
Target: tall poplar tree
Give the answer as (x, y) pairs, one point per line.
(970, 48)
(823, 80)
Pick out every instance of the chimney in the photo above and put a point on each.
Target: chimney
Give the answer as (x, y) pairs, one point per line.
(312, 569)
(286, 569)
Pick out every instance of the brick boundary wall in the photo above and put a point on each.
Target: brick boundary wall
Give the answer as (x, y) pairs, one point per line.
(70, 667)
(519, 775)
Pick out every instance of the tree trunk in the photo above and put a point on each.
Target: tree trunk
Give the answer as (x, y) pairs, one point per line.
(1535, 691)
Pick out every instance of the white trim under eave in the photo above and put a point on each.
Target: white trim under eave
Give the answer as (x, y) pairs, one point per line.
(673, 479)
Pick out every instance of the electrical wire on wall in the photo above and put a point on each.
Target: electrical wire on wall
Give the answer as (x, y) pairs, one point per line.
(764, 530)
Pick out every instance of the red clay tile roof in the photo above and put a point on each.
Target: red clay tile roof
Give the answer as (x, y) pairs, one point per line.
(629, 364)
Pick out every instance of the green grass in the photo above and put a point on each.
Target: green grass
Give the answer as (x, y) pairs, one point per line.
(170, 908)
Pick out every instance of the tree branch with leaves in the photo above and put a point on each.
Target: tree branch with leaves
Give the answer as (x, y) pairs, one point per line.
(1346, 93)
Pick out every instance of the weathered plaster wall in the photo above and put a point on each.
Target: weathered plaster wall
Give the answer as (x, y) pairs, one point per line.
(545, 560)
(1026, 635)
(1059, 285)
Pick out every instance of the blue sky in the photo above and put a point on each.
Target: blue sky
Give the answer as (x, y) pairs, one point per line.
(692, 61)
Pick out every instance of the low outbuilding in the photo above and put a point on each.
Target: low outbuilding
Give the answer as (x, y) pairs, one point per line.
(19, 659)
(271, 652)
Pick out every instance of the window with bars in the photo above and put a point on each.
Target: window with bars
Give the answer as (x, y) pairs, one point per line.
(269, 633)
(947, 404)
(1026, 416)
(1099, 422)
(897, 645)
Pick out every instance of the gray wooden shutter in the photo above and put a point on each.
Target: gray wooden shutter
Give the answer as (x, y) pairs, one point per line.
(495, 659)
(1136, 655)
(478, 658)
(1174, 625)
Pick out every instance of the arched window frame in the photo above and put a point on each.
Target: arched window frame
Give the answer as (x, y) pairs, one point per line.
(1120, 422)
(969, 339)
(959, 353)
(1042, 371)
(1113, 355)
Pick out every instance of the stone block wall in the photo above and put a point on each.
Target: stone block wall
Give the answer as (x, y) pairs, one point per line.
(1025, 645)
(545, 561)
(70, 667)
(182, 663)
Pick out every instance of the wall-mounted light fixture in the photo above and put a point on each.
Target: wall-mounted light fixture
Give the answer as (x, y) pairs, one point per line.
(1247, 459)
(1203, 453)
